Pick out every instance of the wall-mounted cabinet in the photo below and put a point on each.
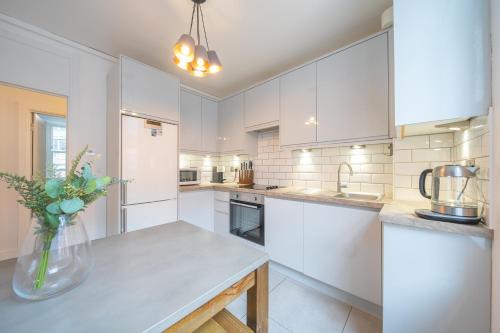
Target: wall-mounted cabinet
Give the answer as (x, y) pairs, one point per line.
(298, 106)
(198, 125)
(442, 57)
(353, 93)
(262, 106)
(148, 91)
(232, 137)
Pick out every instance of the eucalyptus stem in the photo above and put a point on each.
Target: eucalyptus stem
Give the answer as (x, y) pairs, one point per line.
(44, 261)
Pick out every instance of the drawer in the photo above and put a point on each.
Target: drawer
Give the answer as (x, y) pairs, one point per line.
(222, 196)
(221, 206)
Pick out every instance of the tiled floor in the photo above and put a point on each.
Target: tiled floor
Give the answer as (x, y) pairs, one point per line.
(295, 308)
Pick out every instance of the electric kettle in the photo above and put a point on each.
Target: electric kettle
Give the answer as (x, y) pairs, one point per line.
(454, 194)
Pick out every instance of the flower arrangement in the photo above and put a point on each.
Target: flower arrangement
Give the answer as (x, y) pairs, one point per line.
(54, 201)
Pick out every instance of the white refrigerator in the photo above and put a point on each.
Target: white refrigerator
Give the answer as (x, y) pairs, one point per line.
(149, 163)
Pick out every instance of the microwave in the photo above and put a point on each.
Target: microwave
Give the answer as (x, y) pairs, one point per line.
(189, 176)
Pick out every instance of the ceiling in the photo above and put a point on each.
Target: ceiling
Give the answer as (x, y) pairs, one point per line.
(255, 39)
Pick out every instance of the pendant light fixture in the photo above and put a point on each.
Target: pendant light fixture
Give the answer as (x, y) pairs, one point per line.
(194, 57)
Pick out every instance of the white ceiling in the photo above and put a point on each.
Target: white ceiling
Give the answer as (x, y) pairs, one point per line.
(255, 39)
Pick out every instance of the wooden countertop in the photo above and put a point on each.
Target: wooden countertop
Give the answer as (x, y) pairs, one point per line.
(143, 281)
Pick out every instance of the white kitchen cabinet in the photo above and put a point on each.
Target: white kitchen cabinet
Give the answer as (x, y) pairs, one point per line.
(232, 136)
(342, 247)
(148, 90)
(284, 232)
(262, 106)
(435, 281)
(197, 207)
(191, 122)
(209, 119)
(221, 213)
(442, 58)
(298, 106)
(353, 93)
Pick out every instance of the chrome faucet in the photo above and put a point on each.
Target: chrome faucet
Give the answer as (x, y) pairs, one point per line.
(339, 185)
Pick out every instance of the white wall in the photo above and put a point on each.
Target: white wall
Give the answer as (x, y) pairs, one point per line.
(35, 59)
(495, 150)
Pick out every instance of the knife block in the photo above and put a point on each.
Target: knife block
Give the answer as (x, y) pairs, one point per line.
(245, 177)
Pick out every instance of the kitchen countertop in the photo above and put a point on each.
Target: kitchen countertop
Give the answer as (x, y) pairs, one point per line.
(144, 280)
(402, 213)
(292, 193)
(391, 211)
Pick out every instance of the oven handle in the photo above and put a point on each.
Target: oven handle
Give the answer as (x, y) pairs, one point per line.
(244, 205)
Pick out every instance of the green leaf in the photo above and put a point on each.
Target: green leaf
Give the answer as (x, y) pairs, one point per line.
(53, 188)
(77, 182)
(52, 220)
(102, 182)
(90, 186)
(87, 171)
(54, 208)
(71, 206)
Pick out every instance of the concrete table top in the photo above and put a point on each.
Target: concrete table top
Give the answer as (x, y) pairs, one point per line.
(142, 281)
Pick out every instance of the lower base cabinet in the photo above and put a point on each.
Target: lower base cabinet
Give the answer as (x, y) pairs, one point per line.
(197, 207)
(342, 247)
(284, 232)
(435, 281)
(221, 223)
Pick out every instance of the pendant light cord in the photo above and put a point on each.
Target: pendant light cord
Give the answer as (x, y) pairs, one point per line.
(198, 22)
(192, 18)
(204, 31)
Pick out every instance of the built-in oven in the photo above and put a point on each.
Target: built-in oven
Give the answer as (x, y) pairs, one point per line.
(247, 216)
(189, 176)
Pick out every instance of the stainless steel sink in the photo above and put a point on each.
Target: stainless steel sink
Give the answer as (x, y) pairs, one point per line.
(359, 196)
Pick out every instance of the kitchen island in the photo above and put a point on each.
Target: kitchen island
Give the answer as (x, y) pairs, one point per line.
(174, 278)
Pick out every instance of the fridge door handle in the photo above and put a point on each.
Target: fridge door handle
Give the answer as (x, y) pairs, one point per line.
(123, 220)
(124, 193)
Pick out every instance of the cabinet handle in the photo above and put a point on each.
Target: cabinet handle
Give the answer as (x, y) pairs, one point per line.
(124, 193)
(124, 221)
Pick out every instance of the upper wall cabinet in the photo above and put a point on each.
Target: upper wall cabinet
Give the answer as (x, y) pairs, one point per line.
(232, 137)
(262, 106)
(198, 125)
(353, 93)
(148, 90)
(209, 120)
(298, 106)
(190, 125)
(442, 60)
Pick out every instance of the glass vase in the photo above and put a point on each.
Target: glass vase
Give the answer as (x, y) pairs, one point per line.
(52, 260)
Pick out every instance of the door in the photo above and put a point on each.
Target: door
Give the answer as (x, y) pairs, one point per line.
(285, 232)
(209, 118)
(262, 104)
(353, 93)
(148, 90)
(197, 207)
(149, 160)
(147, 215)
(190, 126)
(298, 106)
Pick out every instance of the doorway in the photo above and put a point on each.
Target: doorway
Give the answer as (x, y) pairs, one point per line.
(32, 144)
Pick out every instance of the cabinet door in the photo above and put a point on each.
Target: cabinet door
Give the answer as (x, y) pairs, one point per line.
(148, 90)
(298, 106)
(342, 247)
(231, 128)
(284, 232)
(262, 104)
(197, 207)
(191, 120)
(443, 66)
(427, 273)
(353, 93)
(209, 119)
(221, 223)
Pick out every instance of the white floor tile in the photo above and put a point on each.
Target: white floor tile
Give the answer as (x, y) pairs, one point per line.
(238, 307)
(361, 322)
(301, 309)
(275, 278)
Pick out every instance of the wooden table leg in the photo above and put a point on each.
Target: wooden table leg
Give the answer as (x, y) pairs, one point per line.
(258, 301)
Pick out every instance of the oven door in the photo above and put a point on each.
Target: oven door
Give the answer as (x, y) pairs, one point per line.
(247, 220)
